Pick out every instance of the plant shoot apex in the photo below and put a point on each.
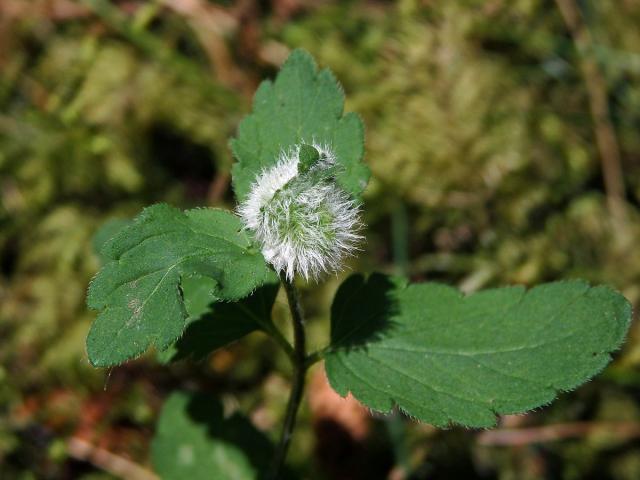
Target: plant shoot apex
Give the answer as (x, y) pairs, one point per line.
(304, 222)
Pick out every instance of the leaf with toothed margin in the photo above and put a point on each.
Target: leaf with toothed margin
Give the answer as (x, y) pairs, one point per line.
(108, 230)
(301, 105)
(137, 292)
(445, 358)
(212, 324)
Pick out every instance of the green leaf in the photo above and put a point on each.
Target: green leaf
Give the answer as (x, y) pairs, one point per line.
(446, 358)
(213, 324)
(108, 230)
(194, 441)
(301, 105)
(138, 292)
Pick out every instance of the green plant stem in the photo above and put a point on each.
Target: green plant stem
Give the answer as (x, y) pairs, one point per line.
(280, 340)
(273, 331)
(316, 356)
(300, 365)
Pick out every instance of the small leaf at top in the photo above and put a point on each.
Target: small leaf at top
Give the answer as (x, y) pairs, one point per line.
(211, 324)
(309, 156)
(137, 293)
(445, 358)
(301, 105)
(195, 441)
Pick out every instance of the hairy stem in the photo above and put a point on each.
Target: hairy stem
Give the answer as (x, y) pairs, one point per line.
(300, 365)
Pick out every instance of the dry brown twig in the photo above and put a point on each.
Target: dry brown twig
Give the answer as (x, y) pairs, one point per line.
(213, 25)
(562, 431)
(599, 105)
(121, 467)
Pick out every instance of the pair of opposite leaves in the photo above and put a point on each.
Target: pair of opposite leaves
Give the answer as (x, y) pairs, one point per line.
(440, 356)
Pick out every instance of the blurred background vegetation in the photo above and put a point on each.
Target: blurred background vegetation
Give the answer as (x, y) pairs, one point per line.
(504, 139)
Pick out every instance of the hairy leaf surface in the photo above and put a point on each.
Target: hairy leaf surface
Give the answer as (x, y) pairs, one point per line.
(212, 324)
(302, 104)
(138, 291)
(444, 358)
(108, 230)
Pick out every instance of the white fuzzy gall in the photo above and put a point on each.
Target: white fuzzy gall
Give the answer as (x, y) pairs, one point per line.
(304, 221)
